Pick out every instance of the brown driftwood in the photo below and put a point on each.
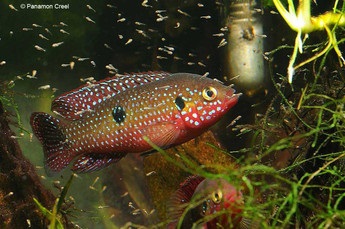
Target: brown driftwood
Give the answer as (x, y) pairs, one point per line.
(19, 184)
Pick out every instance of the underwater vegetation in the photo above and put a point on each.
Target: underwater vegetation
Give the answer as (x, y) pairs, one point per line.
(300, 20)
(275, 160)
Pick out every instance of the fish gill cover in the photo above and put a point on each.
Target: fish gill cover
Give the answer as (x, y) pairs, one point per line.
(285, 153)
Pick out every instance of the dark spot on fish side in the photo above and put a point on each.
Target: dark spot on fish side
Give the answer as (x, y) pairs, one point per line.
(179, 103)
(204, 207)
(119, 114)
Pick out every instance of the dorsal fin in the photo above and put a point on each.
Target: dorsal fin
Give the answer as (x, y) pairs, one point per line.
(73, 104)
(182, 196)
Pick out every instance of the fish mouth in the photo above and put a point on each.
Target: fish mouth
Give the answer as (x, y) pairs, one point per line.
(231, 95)
(231, 98)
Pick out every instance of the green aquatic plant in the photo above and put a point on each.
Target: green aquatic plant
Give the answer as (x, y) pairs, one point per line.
(54, 216)
(240, 177)
(11, 96)
(8, 100)
(301, 21)
(309, 128)
(308, 189)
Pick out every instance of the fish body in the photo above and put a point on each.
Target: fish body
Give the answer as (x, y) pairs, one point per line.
(209, 199)
(169, 111)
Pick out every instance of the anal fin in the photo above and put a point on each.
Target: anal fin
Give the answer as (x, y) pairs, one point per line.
(93, 162)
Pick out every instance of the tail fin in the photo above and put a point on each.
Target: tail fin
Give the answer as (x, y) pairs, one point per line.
(49, 131)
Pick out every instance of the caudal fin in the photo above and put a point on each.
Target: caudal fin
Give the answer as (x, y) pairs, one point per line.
(49, 131)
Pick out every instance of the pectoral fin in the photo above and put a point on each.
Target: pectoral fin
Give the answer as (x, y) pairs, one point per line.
(163, 135)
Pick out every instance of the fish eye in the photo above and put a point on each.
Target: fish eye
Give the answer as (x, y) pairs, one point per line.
(217, 196)
(209, 93)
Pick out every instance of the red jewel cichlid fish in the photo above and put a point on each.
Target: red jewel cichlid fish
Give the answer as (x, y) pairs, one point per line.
(210, 199)
(104, 121)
